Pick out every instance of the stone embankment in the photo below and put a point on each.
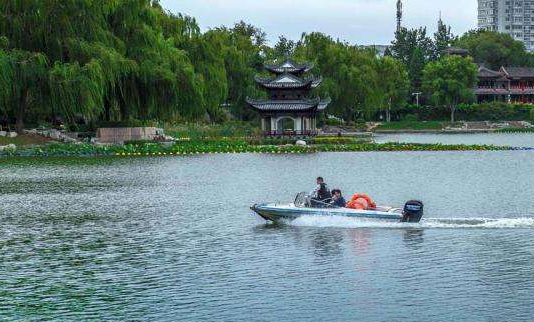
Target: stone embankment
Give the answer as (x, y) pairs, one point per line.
(55, 135)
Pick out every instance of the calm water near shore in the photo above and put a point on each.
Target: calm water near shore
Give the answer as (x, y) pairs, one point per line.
(499, 139)
(172, 239)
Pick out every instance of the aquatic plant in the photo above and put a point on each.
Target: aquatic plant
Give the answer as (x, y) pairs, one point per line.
(214, 147)
(515, 130)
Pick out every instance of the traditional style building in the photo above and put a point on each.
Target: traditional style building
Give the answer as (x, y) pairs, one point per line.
(289, 110)
(508, 84)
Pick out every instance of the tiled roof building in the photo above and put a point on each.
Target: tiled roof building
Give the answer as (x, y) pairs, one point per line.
(508, 84)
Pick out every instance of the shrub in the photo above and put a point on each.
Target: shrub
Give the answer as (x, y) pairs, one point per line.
(532, 114)
(334, 122)
(411, 118)
(407, 125)
(494, 111)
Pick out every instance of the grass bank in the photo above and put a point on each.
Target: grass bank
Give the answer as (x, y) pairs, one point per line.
(411, 126)
(214, 147)
(25, 140)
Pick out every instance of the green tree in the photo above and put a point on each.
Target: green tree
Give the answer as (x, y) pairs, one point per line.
(243, 58)
(23, 79)
(414, 48)
(284, 48)
(494, 49)
(415, 69)
(111, 60)
(443, 38)
(408, 40)
(449, 81)
(350, 75)
(394, 85)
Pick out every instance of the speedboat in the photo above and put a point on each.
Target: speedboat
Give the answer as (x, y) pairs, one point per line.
(412, 211)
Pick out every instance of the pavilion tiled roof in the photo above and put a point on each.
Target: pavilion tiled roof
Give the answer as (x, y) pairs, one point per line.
(289, 105)
(289, 66)
(288, 81)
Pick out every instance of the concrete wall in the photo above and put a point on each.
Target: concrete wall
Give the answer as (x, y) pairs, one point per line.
(123, 134)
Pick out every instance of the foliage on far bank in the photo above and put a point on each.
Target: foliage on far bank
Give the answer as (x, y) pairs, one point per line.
(492, 111)
(134, 62)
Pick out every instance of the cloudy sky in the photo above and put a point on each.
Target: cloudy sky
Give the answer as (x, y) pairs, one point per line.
(357, 21)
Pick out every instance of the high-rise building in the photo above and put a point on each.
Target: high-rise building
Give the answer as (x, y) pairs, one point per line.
(513, 17)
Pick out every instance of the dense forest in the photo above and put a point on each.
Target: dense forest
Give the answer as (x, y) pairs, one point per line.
(127, 61)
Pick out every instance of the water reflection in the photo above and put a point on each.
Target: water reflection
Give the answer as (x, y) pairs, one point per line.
(360, 240)
(414, 238)
(326, 243)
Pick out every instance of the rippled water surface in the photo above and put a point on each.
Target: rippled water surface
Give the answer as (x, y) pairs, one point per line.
(172, 239)
(500, 139)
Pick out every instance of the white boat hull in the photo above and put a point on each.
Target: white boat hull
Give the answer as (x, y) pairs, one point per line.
(276, 212)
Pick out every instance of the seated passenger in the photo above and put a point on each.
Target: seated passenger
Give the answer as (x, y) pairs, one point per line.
(321, 196)
(337, 199)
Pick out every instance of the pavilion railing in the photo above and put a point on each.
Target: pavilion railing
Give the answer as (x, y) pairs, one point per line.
(290, 133)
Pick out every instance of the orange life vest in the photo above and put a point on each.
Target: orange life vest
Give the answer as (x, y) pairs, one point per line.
(361, 201)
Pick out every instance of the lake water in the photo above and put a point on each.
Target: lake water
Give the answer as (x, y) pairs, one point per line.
(499, 139)
(172, 239)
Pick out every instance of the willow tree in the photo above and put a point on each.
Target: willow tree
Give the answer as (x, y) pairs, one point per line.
(122, 60)
(77, 90)
(206, 56)
(24, 79)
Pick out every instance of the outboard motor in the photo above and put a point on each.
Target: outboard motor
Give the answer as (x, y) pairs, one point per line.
(413, 211)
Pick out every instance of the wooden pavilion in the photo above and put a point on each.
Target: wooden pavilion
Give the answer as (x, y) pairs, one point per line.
(289, 109)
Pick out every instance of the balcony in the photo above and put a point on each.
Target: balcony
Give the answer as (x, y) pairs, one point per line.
(494, 90)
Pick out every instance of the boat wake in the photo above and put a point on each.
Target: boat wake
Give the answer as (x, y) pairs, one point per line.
(428, 223)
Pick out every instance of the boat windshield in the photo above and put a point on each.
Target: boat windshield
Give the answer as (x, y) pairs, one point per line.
(302, 200)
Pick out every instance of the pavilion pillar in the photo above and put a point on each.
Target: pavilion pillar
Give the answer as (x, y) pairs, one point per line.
(298, 124)
(263, 124)
(274, 125)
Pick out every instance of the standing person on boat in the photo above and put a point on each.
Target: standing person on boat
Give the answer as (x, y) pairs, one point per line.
(337, 199)
(321, 196)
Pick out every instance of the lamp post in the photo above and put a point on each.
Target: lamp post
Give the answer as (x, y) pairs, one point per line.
(417, 98)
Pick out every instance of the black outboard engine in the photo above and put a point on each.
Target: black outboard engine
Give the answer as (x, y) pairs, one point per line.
(413, 211)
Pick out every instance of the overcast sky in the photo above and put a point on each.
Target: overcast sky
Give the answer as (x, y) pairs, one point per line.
(356, 21)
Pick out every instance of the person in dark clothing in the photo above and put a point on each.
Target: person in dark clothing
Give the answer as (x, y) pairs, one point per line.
(337, 199)
(321, 195)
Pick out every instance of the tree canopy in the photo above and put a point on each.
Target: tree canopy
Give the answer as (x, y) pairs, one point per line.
(120, 60)
(494, 49)
(450, 81)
